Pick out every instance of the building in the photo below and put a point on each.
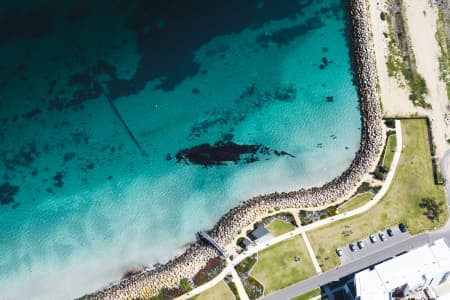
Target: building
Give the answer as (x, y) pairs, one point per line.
(258, 233)
(244, 243)
(418, 273)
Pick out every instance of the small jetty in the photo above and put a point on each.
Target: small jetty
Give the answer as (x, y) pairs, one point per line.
(128, 130)
(206, 237)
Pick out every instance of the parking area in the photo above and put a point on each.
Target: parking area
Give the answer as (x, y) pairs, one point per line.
(369, 247)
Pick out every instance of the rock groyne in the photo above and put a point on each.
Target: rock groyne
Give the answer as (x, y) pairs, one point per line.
(148, 283)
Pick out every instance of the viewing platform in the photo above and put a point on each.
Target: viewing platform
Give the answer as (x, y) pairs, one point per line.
(204, 236)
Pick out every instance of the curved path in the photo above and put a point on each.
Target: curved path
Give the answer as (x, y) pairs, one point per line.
(302, 229)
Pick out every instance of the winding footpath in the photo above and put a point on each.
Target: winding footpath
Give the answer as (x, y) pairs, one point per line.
(303, 229)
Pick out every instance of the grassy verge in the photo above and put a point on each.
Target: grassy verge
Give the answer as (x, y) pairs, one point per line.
(444, 45)
(389, 152)
(412, 182)
(401, 62)
(278, 227)
(220, 291)
(308, 295)
(246, 265)
(355, 202)
(277, 267)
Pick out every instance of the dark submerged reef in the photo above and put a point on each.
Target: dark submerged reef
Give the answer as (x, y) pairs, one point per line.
(222, 153)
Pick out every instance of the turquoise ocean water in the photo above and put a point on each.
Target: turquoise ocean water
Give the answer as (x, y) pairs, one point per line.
(81, 201)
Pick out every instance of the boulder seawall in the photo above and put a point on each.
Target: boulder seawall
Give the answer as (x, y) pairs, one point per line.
(148, 283)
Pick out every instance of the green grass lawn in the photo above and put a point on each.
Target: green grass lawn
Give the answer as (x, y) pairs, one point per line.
(308, 295)
(413, 180)
(220, 291)
(355, 202)
(278, 227)
(276, 267)
(389, 152)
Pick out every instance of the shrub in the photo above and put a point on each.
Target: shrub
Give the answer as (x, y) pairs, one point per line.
(364, 187)
(239, 240)
(379, 174)
(432, 208)
(233, 288)
(390, 123)
(185, 285)
(246, 265)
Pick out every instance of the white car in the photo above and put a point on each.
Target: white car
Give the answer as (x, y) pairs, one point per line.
(339, 251)
(360, 244)
(373, 238)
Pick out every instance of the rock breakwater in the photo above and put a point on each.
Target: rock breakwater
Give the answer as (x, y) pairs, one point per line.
(148, 283)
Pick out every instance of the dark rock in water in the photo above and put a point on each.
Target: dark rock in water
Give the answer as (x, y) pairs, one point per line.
(248, 92)
(24, 157)
(58, 179)
(325, 61)
(285, 36)
(330, 99)
(168, 156)
(109, 177)
(50, 191)
(227, 137)
(218, 154)
(195, 91)
(130, 273)
(288, 154)
(285, 94)
(7, 193)
(280, 153)
(321, 67)
(69, 156)
(31, 114)
(20, 23)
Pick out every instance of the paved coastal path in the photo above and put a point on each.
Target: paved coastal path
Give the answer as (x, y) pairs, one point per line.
(302, 229)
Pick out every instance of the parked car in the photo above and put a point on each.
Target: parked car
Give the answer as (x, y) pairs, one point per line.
(390, 232)
(402, 227)
(360, 244)
(373, 238)
(382, 236)
(352, 247)
(339, 251)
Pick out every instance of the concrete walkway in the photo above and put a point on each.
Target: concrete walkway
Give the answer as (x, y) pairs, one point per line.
(303, 229)
(311, 253)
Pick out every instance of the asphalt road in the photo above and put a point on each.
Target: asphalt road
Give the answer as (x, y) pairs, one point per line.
(349, 256)
(347, 269)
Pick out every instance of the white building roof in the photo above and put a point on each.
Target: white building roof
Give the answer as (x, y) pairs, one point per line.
(414, 268)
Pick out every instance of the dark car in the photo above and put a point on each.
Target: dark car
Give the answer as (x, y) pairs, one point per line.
(402, 227)
(382, 236)
(352, 247)
(390, 232)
